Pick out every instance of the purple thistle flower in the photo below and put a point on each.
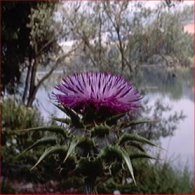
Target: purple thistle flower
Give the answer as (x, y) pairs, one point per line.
(102, 93)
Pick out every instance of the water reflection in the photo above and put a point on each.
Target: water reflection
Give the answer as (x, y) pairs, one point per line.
(179, 148)
(174, 84)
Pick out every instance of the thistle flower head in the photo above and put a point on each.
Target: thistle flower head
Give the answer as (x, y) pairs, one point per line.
(101, 93)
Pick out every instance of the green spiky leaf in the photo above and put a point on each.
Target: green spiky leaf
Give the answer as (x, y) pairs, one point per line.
(71, 148)
(137, 145)
(49, 151)
(72, 114)
(141, 155)
(42, 141)
(62, 120)
(114, 118)
(54, 129)
(115, 151)
(110, 153)
(135, 137)
(127, 160)
(138, 122)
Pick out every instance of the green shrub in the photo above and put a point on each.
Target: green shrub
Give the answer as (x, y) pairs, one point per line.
(16, 117)
(154, 178)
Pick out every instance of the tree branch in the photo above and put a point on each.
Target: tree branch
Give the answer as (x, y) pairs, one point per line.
(54, 67)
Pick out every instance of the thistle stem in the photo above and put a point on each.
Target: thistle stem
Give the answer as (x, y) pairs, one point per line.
(90, 186)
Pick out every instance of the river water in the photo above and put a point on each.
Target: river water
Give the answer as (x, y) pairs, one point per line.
(175, 89)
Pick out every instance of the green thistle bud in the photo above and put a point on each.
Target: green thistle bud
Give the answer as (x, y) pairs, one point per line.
(100, 131)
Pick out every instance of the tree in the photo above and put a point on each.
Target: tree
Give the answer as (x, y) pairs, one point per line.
(15, 40)
(29, 43)
(122, 36)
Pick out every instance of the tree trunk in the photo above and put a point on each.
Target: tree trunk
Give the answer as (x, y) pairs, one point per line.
(31, 95)
(27, 81)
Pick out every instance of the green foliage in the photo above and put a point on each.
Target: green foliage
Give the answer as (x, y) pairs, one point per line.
(101, 131)
(134, 137)
(157, 178)
(49, 151)
(75, 119)
(162, 42)
(71, 148)
(169, 39)
(126, 158)
(41, 24)
(174, 180)
(47, 140)
(16, 116)
(55, 129)
(122, 42)
(29, 41)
